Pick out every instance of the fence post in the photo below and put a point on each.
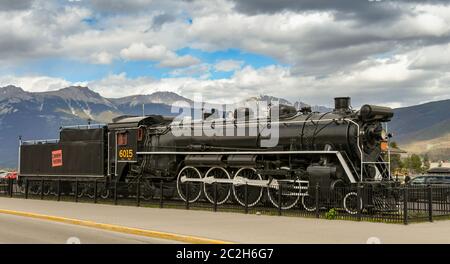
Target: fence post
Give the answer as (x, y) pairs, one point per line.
(95, 191)
(215, 197)
(359, 200)
(26, 188)
(405, 205)
(59, 189)
(161, 205)
(138, 193)
(246, 197)
(317, 200)
(115, 192)
(280, 190)
(430, 203)
(42, 189)
(76, 190)
(187, 195)
(10, 187)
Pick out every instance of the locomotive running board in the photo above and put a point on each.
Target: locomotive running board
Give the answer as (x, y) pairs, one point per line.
(338, 154)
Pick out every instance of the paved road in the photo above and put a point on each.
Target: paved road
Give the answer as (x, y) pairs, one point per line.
(20, 230)
(238, 227)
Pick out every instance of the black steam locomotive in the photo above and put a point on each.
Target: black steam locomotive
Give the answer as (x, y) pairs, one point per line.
(336, 149)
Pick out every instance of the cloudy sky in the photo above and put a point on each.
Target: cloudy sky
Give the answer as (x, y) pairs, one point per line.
(392, 52)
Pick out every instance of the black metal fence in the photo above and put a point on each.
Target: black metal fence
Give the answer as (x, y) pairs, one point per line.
(404, 204)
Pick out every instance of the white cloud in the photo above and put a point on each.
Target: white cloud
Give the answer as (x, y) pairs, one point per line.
(140, 51)
(203, 71)
(102, 58)
(431, 58)
(228, 65)
(167, 58)
(36, 83)
(179, 61)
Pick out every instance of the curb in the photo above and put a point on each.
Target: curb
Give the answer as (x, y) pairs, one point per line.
(118, 228)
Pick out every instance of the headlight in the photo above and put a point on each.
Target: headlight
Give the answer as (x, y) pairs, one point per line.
(377, 133)
(383, 135)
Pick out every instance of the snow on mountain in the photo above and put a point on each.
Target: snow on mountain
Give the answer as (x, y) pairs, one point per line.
(167, 98)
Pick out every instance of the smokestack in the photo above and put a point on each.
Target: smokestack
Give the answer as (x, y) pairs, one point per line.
(342, 104)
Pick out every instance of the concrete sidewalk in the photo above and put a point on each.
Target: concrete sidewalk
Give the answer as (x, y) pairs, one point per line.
(238, 227)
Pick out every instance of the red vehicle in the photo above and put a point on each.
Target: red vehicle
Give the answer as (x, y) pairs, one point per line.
(10, 175)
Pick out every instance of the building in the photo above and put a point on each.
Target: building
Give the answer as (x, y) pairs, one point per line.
(439, 170)
(440, 164)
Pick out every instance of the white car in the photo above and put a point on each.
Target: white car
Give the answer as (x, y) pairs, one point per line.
(3, 174)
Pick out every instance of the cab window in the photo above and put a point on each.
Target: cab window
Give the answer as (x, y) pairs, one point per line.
(122, 139)
(140, 134)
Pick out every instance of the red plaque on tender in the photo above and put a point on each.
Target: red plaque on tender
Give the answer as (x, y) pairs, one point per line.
(57, 158)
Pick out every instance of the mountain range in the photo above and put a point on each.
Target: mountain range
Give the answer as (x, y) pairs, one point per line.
(39, 115)
(424, 129)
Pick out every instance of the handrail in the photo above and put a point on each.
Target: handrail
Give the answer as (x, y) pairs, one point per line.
(84, 126)
(39, 141)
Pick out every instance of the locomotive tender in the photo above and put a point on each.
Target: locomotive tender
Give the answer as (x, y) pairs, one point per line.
(340, 148)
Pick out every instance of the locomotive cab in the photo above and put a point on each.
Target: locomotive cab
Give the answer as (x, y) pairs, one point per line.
(126, 136)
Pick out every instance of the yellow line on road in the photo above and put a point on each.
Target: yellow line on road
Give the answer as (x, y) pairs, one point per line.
(117, 228)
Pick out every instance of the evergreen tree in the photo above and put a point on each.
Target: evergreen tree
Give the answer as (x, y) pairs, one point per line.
(413, 163)
(396, 161)
(426, 163)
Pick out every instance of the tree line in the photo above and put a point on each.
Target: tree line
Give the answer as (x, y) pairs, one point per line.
(413, 164)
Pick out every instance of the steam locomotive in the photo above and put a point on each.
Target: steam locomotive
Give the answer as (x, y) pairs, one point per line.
(223, 159)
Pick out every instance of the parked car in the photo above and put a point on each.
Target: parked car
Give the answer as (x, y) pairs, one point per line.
(430, 180)
(439, 170)
(439, 182)
(3, 174)
(8, 175)
(12, 175)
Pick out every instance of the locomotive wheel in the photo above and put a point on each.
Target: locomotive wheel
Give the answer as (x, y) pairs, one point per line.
(195, 188)
(89, 190)
(81, 191)
(35, 189)
(309, 203)
(103, 190)
(223, 189)
(47, 189)
(147, 192)
(146, 196)
(104, 194)
(54, 188)
(350, 203)
(254, 193)
(289, 197)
